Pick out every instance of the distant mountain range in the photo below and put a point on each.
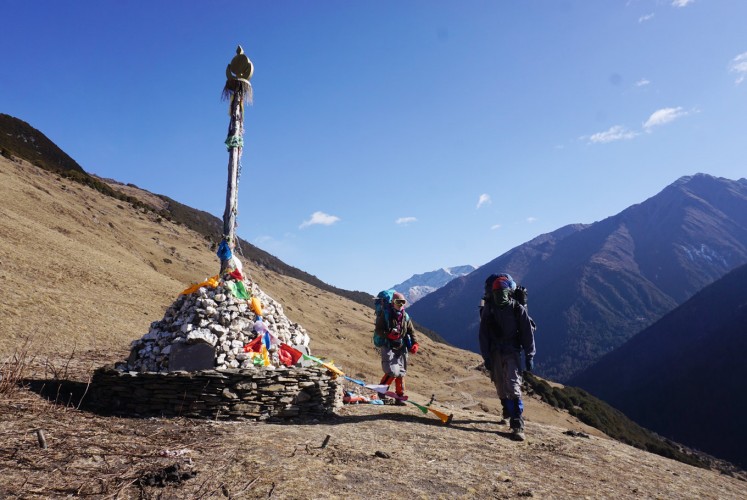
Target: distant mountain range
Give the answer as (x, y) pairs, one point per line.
(592, 287)
(683, 377)
(419, 285)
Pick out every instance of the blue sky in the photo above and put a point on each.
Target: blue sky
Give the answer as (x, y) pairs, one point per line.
(389, 138)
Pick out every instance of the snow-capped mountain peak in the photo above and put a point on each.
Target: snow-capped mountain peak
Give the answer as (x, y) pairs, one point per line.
(419, 285)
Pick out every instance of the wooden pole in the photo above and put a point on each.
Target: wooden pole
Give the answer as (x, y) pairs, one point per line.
(239, 91)
(234, 153)
(40, 437)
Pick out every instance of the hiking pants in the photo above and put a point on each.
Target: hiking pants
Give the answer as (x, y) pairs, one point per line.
(394, 361)
(507, 379)
(507, 372)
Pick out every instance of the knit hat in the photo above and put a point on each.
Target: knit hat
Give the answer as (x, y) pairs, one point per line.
(398, 296)
(504, 281)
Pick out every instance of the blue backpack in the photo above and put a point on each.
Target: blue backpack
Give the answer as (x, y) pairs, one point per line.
(383, 303)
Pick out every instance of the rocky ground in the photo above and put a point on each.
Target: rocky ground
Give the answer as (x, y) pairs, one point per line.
(365, 450)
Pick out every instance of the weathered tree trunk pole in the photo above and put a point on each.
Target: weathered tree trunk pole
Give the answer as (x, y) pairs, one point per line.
(234, 154)
(239, 91)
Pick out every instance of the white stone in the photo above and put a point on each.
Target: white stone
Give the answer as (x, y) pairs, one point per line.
(202, 335)
(218, 329)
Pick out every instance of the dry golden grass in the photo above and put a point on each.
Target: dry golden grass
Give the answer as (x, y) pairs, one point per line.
(83, 275)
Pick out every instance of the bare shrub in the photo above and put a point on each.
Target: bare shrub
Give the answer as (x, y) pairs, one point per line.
(13, 369)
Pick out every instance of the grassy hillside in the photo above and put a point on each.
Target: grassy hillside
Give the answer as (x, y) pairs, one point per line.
(20, 140)
(669, 368)
(612, 422)
(109, 269)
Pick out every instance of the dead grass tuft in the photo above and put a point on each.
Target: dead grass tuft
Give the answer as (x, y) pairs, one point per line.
(13, 369)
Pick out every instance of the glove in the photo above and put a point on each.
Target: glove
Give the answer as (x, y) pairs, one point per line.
(414, 348)
(529, 363)
(393, 335)
(520, 295)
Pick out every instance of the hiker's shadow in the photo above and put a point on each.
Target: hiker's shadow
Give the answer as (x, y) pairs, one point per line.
(505, 434)
(393, 416)
(466, 425)
(488, 427)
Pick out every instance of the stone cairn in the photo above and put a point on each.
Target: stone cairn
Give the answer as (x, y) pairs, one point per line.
(225, 349)
(215, 317)
(192, 363)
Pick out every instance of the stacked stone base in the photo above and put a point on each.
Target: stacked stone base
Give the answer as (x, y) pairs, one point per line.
(230, 394)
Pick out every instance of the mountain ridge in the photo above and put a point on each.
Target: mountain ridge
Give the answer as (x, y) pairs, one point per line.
(688, 364)
(591, 287)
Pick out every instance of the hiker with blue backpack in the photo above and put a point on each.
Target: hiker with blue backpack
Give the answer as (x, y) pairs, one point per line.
(395, 335)
(505, 330)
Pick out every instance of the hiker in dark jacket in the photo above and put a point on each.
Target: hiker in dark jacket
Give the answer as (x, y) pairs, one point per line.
(506, 329)
(398, 338)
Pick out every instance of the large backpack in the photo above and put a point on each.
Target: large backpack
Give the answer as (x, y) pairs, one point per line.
(519, 295)
(383, 306)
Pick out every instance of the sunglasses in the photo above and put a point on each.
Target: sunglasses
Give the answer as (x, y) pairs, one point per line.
(400, 302)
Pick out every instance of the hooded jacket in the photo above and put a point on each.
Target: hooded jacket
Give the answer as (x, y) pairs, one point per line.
(507, 328)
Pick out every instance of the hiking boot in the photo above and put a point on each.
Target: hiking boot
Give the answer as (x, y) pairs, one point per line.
(517, 434)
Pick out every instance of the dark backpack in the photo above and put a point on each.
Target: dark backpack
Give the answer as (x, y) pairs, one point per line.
(519, 295)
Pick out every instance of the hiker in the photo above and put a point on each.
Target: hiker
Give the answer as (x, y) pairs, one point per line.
(506, 329)
(396, 337)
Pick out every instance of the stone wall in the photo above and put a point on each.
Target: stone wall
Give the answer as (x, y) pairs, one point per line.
(230, 394)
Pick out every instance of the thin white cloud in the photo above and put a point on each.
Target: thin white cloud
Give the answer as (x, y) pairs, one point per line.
(682, 3)
(403, 221)
(664, 116)
(319, 218)
(615, 133)
(739, 66)
(283, 246)
(642, 82)
(645, 18)
(495, 226)
(484, 200)
(263, 239)
(531, 219)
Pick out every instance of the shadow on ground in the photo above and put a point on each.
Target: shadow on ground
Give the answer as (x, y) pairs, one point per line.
(72, 394)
